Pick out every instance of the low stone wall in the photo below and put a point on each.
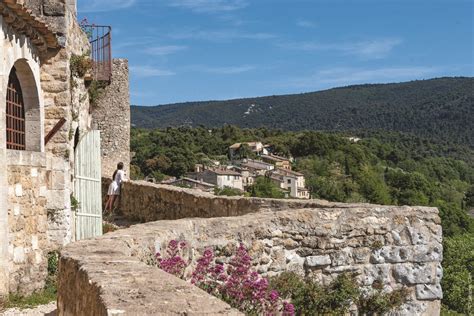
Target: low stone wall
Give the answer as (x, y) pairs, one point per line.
(144, 201)
(399, 246)
(107, 276)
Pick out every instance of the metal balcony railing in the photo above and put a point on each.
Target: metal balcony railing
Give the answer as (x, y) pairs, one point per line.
(100, 38)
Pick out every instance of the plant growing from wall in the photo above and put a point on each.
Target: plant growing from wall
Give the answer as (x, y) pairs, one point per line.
(378, 302)
(80, 65)
(95, 90)
(87, 28)
(75, 205)
(71, 132)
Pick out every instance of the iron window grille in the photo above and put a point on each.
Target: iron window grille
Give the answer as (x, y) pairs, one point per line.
(15, 114)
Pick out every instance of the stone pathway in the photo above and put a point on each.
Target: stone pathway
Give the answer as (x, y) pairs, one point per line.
(48, 310)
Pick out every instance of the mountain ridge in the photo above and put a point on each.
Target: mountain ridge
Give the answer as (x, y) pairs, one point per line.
(438, 108)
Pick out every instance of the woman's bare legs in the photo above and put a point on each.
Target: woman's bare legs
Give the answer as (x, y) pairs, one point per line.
(110, 203)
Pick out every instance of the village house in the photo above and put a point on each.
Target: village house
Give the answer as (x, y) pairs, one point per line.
(258, 167)
(278, 161)
(192, 184)
(292, 181)
(248, 177)
(255, 147)
(220, 177)
(51, 150)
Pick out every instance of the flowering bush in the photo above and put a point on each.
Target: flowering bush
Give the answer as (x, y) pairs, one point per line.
(247, 291)
(208, 275)
(174, 263)
(236, 284)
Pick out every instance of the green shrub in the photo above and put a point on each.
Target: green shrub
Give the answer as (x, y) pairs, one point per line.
(380, 303)
(447, 312)
(287, 283)
(458, 265)
(339, 295)
(228, 191)
(265, 188)
(310, 298)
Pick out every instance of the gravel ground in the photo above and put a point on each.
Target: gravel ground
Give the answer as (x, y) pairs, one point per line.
(49, 310)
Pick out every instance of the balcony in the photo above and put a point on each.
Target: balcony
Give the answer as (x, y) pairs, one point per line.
(100, 38)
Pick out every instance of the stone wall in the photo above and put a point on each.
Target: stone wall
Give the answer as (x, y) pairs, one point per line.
(144, 202)
(27, 189)
(65, 96)
(399, 246)
(112, 117)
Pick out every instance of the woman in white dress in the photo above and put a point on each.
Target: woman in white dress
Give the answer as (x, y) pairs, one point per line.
(114, 187)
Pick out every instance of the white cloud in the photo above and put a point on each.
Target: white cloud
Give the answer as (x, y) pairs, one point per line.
(230, 70)
(342, 76)
(209, 6)
(86, 6)
(164, 50)
(305, 23)
(371, 49)
(149, 71)
(219, 36)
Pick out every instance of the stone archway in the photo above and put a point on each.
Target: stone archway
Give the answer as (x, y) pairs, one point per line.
(33, 111)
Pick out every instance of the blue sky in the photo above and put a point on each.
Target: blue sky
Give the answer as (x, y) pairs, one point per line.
(190, 50)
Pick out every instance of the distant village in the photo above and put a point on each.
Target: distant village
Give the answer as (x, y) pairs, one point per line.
(242, 171)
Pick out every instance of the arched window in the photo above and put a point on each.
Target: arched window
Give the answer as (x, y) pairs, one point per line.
(15, 114)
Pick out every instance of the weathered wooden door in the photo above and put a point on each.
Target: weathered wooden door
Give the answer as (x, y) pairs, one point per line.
(87, 186)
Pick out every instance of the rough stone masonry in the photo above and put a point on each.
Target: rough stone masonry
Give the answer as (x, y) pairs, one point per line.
(399, 246)
(111, 116)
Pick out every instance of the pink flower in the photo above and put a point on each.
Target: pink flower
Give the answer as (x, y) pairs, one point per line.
(236, 283)
(274, 295)
(288, 309)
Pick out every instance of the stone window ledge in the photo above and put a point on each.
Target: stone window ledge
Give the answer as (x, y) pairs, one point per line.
(26, 158)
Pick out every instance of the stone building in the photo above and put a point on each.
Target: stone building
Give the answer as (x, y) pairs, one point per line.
(45, 116)
(220, 177)
(112, 117)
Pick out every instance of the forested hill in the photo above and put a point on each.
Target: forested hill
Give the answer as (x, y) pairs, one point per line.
(440, 108)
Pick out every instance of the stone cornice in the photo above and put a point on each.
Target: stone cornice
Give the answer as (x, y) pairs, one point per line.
(22, 20)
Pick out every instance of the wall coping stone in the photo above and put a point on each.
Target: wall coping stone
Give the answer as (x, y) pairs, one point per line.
(283, 203)
(102, 277)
